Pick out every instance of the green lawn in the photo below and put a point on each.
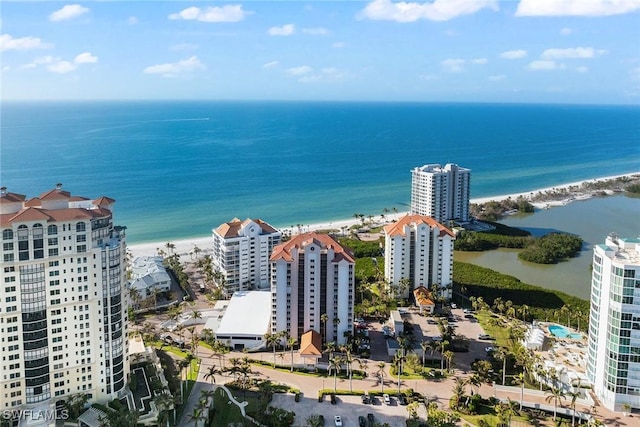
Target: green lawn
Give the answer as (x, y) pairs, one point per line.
(225, 412)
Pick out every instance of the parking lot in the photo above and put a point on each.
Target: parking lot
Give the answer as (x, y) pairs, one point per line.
(348, 407)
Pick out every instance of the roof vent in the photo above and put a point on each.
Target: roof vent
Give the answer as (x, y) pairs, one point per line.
(3, 191)
(58, 186)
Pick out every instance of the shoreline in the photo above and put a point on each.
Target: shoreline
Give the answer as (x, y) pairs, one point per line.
(184, 247)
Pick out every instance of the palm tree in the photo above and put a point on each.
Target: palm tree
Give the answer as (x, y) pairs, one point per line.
(556, 395)
(336, 322)
(449, 355)
(380, 373)
(519, 379)
(524, 311)
(348, 358)
(211, 373)
(574, 395)
(424, 345)
(324, 318)
(330, 347)
(196, 251)
(197, 415)
(335, 364)
(458, 392)
(442, 346)
(502, 354)
(164, 403)
(272, 340)
(291, 343)
(566, 309)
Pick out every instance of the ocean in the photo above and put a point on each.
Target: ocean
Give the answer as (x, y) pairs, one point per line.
(177, 169)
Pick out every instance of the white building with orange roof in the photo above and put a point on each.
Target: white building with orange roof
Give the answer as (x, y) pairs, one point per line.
(63, 311)
(312, 275)
(441, 192)
(241, 251)
(420, 250)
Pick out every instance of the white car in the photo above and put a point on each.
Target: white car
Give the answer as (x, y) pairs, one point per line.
(337, 421)
(387, 399)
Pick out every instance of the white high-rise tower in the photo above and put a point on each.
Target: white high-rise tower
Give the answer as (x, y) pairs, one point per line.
(441, 192)
(613, 363)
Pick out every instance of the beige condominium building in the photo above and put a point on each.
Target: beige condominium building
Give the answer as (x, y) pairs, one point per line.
(63, 304)
(312, 275)
(420, 250)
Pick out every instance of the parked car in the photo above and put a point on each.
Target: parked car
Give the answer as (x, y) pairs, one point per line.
(337, 420)
(371, 420)
(484, 337)
(365, 399)
(362, 421)
(334, 399)
(490, 349)
(402, 399)
(386, 399)
(321, 419)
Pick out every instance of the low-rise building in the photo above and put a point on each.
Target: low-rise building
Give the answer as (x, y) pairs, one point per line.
(148, 275)
(246, 321)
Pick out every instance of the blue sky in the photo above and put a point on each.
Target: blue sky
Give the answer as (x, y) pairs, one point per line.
(561, 51)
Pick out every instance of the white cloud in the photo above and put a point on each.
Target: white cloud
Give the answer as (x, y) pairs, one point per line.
(183, 47)
(6, 68)
(479, 61)
(453, 65)
(285, 30)
(62, 67)
(566, 31)
(69, 11)
(7, 42)
(132, 20)
(270, 65)
(572, 53)
(85, 58)
(338, 45)
(497, 77)
(317, 31)
(513, 54)
(542, 65)
(173, 69)
(429, 77)
(299, 71)
(576, 7)
(328, 74)
(437, 10)
(582, 69)
(226, 13)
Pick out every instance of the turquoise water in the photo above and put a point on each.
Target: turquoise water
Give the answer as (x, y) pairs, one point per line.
(562, 332)
(178, 169)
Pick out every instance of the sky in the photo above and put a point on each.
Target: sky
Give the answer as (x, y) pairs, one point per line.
(549, 51)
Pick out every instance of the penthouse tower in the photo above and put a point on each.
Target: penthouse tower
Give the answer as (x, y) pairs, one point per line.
(62, 300)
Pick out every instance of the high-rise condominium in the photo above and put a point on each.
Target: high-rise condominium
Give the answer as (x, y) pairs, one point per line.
(241, 251)
(419, 250)
(441, 192)
(613, 363)
(311, 276)
(63, 302)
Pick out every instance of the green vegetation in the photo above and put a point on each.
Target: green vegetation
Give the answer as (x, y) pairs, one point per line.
(548, 249)
(494, 210)
(362, 249)
(551, 248)
(480, 282)
(634, 188)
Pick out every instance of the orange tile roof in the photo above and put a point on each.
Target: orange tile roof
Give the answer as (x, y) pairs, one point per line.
(422, 296)
(12, 198)
(283, 250)
(397, 228)
(55, 194)
(311, 344)
(30, 214)
(232, 228)
(104, 200)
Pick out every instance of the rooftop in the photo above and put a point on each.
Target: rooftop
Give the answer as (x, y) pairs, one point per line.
(248, 313)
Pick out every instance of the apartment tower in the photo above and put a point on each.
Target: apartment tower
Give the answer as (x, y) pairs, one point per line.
(441, 192)
(613, 360)
(63, 304)
(241, 251)
(312, 275)
(419, 250)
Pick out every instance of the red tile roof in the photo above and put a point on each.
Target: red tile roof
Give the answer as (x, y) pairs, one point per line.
(423, 296)
(232, 228)
(12, 198)
(104, 200)
(283, 250)
(397, 228)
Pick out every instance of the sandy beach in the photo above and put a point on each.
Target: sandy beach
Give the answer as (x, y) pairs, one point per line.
(184, 247)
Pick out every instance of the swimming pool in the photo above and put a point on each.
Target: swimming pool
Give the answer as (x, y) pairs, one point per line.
(562, 332)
